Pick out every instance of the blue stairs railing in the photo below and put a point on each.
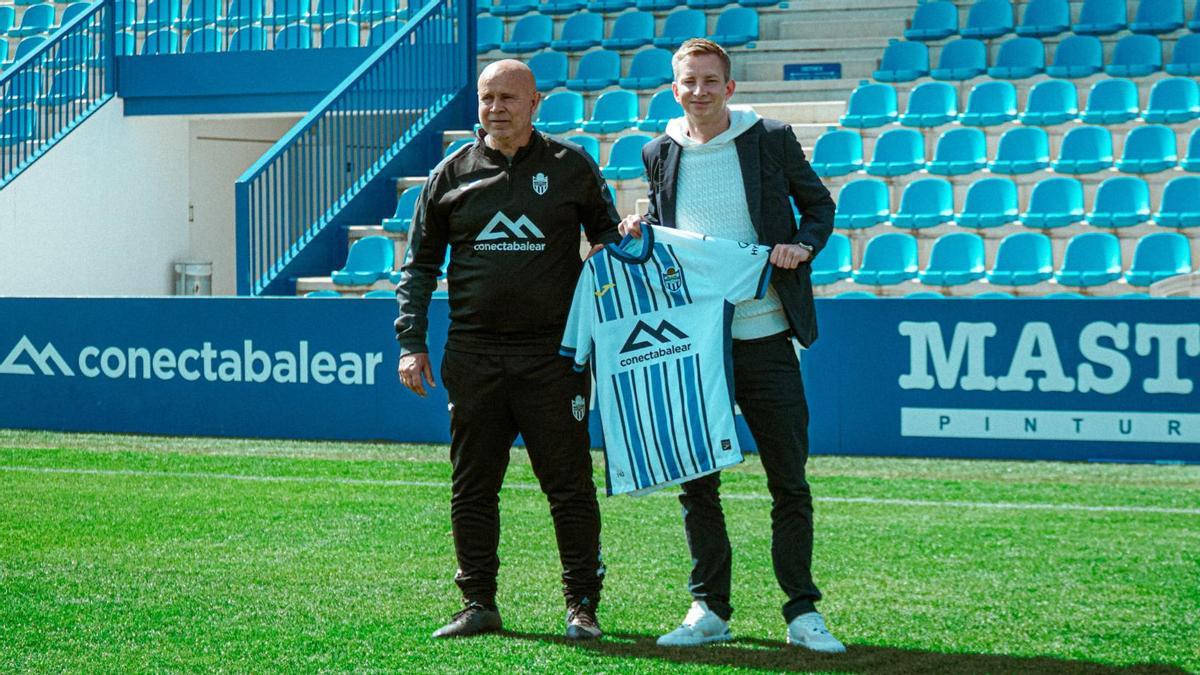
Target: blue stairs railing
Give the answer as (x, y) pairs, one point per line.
(350, 143)
(48, 92)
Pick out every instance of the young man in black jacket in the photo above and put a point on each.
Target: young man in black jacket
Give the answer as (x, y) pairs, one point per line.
(509, 207)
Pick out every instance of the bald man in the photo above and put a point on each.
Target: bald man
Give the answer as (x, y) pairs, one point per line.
(509, 207)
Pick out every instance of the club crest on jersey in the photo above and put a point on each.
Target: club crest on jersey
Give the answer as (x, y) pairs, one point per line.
(541, 183)
(578, 408)
(672, 279)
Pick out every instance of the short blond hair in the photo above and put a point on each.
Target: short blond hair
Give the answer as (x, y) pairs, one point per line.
(698, 47)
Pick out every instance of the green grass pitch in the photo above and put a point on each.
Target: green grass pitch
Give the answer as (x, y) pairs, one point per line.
(132, 554)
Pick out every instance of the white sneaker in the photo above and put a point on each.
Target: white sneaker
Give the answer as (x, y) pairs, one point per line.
(809, 631)
(700, 627)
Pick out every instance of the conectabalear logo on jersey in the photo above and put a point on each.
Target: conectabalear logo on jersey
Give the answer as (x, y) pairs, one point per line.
(664, 340)
(505, 234)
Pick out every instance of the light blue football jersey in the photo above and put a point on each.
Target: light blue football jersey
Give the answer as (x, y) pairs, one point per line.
(653, 317)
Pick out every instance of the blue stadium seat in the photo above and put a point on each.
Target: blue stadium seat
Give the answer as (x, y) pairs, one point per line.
(489, 33)
(903, 62)
(994, 295)
(1135, 56)
(870, 105)
(663, 107)
(990, 104)
(927, 202)
(26, 46)
(889, 259)
(531, 33)
(1062, 296)
(707, 4)
(22, 89)
(1101, 17)
(455, 146)
(74, 9)
(1194, 24)
(959, 151)
(1055, 202)
(376, 10)
(379, 294)
(1111, 102)
(609, 6)
(955, 259)
(159, 14)
(1045, 18)
(990, 202)
(199, 13)
(631, 30)
(832, 264)
(1019, 58)
(204, 40)
(581, 31)
(862, 203)
(1173, 101)
(401, 220)
(658, 5)
(512, 7)
(37, 20)
(370, 259)
(760, 3)
(330, 11)
(988, 19)
(1077, 56)
(1091, 259)
(287, 12)
(323, 293)
(549, 69)
(650, 69)
(1022, 259)
(293, 36)
(1148, 149)
(595, 71)
(1158, 16)
(961, 59)
(855, 295)
(559, 112)
(163, 41)
(555, 7)
(1022, 150)
(933, 21)
(248, 39)
(897, 152)
(73, 51)
(1123, 201)
(614, 111)
(681, 25)
(67, 86)
(1159, 256)
(242, 13)
(8, 16)
(590, 145)
(924, 295)
(339, 34)
(1050, 102)
(1192, 161)
(837, 152)
(625, 158)
(1186, 58)
(930, 104)
(735, 26)
(1085, 149)
(1179, 206)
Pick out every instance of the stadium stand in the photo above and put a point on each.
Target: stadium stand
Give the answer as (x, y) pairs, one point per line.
(549, 69)
(1148, 149)
(1101, 17)
(625, 158)
(903, 62)
(871, 105)
(833, 263)
(1077, 56)
(959, 151)
(889, 259)
(1091, 259)
(961, 59)
(989, 104)
(1021, 150)
(1135, 56)
(1111, 102)
(580, 32)
(1173, 101)
(630, 31)
(531, 33)
(662, 108)
(837, 153)
(930, 104)
(1159, 256)
(489, 33)
(1122, 201)
(1085, 149)
(1179, 206)
(650, 68)
(401, 220)
(955, 259)
(1018, 59)
(680, 25)
(1050, 102)
(989, 203)
(1044, 18)
(988, 19)
(560, 112)
(736, 26)
(897, 152)
(862, 203)
(614, 111)
(370, 259)
(1022, 259)
(925, 203)
(933, 21)
(1185, 59)
(595, 71)
(1055, 203)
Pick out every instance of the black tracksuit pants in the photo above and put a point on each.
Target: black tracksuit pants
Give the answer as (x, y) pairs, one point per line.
(493, 397)
(769, 388)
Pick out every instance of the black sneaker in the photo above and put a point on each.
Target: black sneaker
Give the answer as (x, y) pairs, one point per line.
(581, 620)
(474, 619)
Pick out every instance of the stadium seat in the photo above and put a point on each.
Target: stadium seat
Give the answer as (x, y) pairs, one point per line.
(930, 104)
(512, 7)
(250, 38)
(959, 151)
(73, 51)
(658, 5)
(989, 104)
(338, 34)
(994, 295)
(205, 40)
(1194, 24)
(323, 293)
(889, 259)
(71, 11)
(736, 26)
(559, 112)
(1135, 56)
(21, 89)
(370, 259)
(1022, 150)
(242, 13)
(1062, 296)
(897, 152)
(1158, 16)
(1045, 18)
(924, 295)
(199, 13)
(1091, 259)
(1123, 201)
(36, 20)
(707, 4)
(955, 259)
(903, 62)
(1022, 259)
(456, 145)
(556, 7)
(581, 31)
(837, 152)
(855, 295)
(67, 86)
(376, 10)
(933, 21)
(614, 111)
(549, 69)
(609, 6)
(870, 105)
(595, 71)
(1173, 101)
(1077, 56)
(631, 30)
(1192, 161)
(625, 158)
(663, 107)
(531, 33)
(1111, 102)
(159, 14)
(26, 46)
(961, 59)
(832, 264)
(681, 25)
(1148, 149)
(988, 19)
(379, 294)
(1019, 58)
(1101, 17)
(401, 220)
(1050, 102)
(294, 36)
(287, 12)
(1085, 150)
(1159, 256)
(1055, 202)
(760, 3)
(927, 202)
(650, 69)
(1186, 58)
(990, 202)
(590, 145)
(862, 203)
(8, 16)
(164, 41)
(489, 33)
(1179, 206)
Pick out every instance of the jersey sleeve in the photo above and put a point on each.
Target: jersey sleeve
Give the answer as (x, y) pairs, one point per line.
(740, 270)
(577, 338)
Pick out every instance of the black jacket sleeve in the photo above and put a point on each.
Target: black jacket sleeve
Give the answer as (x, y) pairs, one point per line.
(600, 218)
(812, 198)
(428, 238)
(650, 153)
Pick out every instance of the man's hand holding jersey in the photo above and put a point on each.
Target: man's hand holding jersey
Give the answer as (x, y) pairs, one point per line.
(783, 256)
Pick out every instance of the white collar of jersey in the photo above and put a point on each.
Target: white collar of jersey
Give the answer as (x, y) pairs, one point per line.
(634, 250)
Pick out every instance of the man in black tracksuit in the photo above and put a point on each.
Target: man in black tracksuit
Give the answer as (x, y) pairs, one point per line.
(509, 207)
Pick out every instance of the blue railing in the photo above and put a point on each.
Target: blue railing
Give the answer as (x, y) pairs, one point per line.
(52, 89)
(301, 184)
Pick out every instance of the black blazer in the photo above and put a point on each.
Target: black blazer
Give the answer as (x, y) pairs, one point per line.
(773, 169)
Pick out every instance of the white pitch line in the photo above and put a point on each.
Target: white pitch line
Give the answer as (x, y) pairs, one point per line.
(377, 482)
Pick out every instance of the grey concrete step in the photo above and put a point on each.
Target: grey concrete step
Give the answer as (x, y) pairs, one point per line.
(777, 90)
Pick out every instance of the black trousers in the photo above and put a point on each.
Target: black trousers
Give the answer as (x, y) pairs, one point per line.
(769, 388)
(492, 399)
